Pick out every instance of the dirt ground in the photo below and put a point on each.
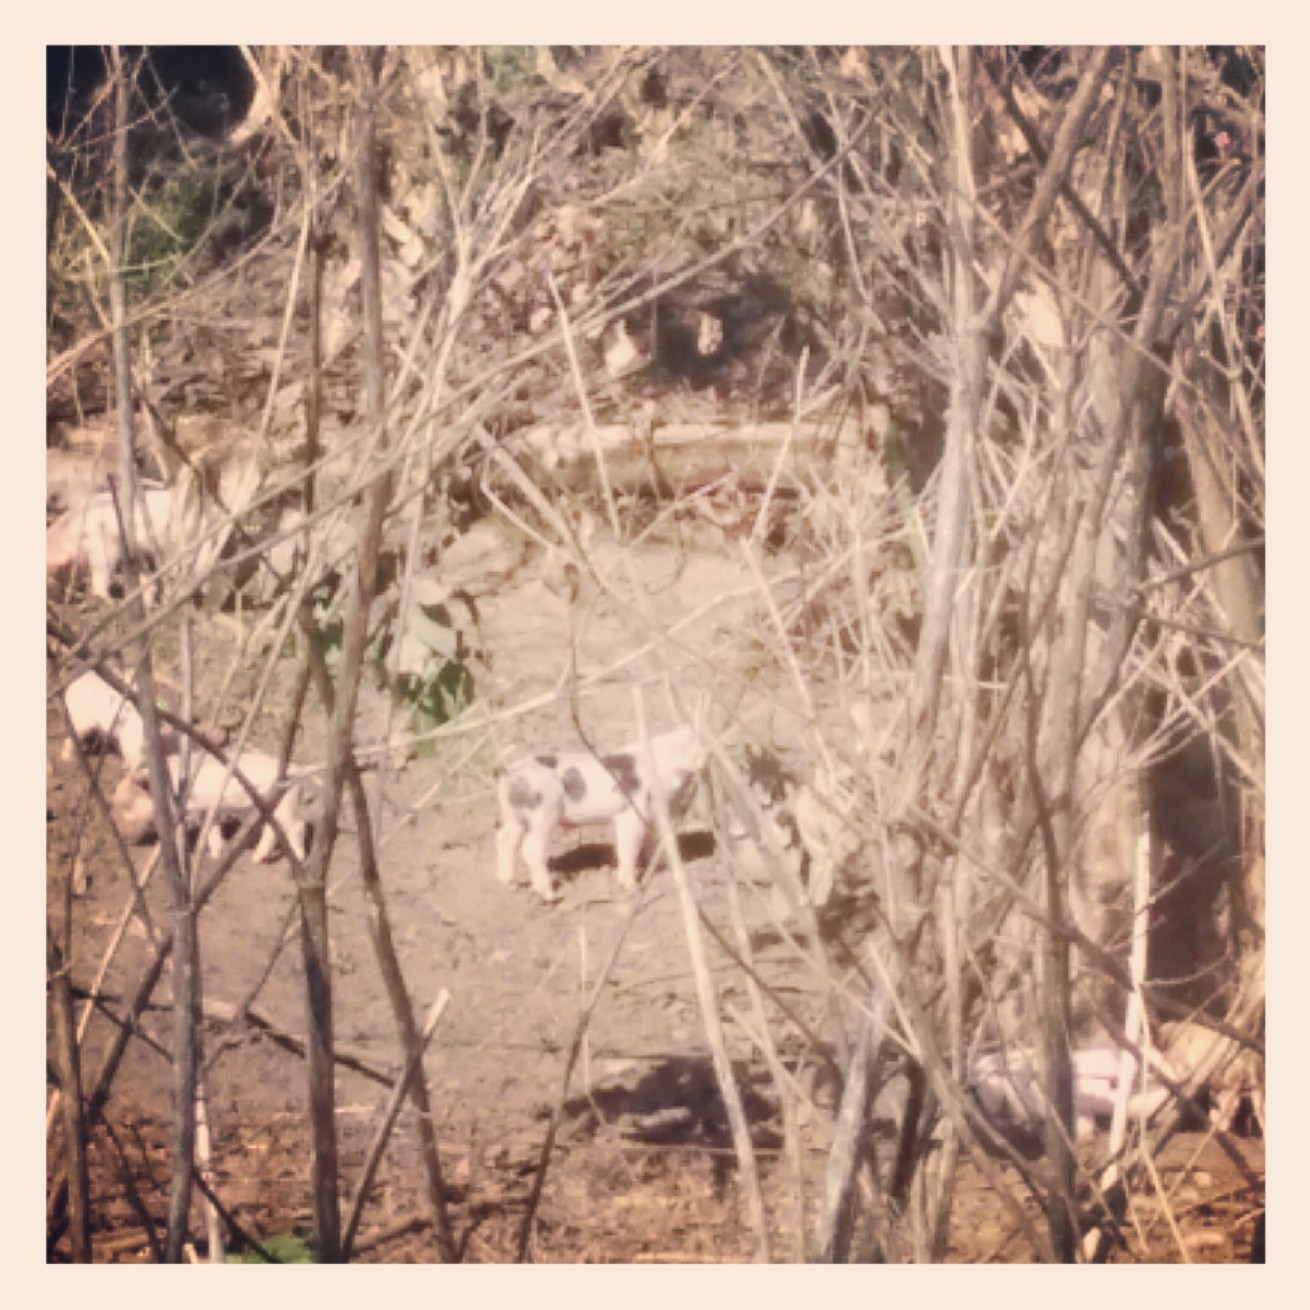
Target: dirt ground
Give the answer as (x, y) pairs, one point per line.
(643, 1168)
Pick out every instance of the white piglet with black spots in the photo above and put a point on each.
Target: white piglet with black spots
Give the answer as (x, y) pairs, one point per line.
(571, 789)
(98, 712)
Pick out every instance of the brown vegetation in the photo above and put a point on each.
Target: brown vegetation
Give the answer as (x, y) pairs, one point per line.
(905, 407)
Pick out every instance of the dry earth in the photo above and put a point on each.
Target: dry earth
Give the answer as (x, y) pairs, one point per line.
(643, 1167)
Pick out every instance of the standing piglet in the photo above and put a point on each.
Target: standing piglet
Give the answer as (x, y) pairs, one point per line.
(553, 790)
(211, 787)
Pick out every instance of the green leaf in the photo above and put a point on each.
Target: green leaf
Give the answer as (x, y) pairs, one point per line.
(428, 637)
(285, 1248)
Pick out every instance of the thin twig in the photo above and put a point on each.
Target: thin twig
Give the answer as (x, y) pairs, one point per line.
(389, 1116)
(709, 1007)
(575, 1047)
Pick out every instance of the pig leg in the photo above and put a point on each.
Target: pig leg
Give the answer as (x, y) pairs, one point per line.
(287, 814)
(632, 838)
(214, 842)
(264, 847)
(535, 846)
(102, 559)
(293, 822)
(509, 838)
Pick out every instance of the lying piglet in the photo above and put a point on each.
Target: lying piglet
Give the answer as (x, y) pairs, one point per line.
(569, 790)
(100, 713)
(1009, 1089)
(134, 810)
(88, 536)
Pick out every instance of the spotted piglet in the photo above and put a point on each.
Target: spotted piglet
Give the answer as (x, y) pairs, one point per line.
(99, 712)
(569, 790)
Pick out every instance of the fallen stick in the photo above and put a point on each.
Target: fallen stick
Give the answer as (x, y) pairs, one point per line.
(383, 1134)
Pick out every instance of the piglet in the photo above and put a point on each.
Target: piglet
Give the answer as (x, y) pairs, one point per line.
(568, 790)
(87, 537)
(1009, 1089)
(210, 786)
(1238, 1075)
(100, 713)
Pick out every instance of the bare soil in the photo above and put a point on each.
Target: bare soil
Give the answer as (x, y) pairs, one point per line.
(643, 1168)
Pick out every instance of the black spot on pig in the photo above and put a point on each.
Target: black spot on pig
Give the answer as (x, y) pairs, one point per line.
(550, 761)
(521, 795)
(768, 776)
(623, 768)
(575, 785)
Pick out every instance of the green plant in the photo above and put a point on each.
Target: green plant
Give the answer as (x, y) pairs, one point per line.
(430, 674)
(167, 232)
(329, 623)
(283, 1249)
(511, 68)
(432, 701)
